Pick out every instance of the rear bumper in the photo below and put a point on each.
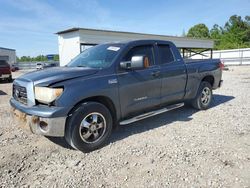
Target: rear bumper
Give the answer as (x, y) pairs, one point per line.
(220, 83)
(4, 76)
(43, 121)
(217, 84)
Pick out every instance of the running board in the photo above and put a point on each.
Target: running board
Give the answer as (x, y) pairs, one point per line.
(153, 113)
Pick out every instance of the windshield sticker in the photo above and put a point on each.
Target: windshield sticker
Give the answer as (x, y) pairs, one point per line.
(113, 48)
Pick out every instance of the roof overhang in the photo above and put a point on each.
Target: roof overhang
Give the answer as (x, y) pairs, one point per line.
(1, 48)
(96, 36)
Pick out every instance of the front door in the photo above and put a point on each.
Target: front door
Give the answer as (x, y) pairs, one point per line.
(139, 89)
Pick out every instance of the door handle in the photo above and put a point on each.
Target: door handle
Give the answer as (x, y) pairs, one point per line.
(156, 73)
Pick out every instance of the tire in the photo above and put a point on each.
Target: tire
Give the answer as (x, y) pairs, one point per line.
(10, 80)
(203, 97)
(89, 127)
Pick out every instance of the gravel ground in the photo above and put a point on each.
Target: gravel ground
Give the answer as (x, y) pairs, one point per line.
(181, 148)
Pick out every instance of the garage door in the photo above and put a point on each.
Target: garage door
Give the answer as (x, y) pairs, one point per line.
(4, 58)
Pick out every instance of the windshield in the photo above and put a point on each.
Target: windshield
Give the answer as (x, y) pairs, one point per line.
(100, 56)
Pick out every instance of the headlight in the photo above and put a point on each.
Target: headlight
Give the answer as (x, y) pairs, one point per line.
(46, 94)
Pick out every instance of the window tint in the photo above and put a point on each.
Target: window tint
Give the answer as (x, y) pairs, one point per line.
(165, 53)
(141, 51)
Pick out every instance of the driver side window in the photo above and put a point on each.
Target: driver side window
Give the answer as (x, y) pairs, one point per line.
(147, 51)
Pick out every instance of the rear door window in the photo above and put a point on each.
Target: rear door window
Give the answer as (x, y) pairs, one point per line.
(165, 54)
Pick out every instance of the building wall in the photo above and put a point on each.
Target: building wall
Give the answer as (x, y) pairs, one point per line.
(70, 43)
(69, 47)
(9, 55)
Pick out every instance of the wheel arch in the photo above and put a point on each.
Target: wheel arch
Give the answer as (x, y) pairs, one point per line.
(104, 100)
(209, 79)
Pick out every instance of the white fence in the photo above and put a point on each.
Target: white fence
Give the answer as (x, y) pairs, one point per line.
(229, 57)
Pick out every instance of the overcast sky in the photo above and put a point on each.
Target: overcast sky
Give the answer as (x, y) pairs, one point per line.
(29, 26)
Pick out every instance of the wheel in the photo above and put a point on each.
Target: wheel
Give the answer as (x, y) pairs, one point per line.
(204, 96)
(10, 79)
(89, 127)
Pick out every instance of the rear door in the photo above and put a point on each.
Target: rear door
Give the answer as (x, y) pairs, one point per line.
(173, 72)
(139, 89)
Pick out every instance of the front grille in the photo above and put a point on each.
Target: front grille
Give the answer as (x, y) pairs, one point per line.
(20, 93)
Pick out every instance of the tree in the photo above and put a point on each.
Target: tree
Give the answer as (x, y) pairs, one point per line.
(56, 57)
(236, 33)
(198, 31)
(216, 34)
(35, 59)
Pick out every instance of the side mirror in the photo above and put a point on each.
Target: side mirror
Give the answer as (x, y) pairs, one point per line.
(137, 62)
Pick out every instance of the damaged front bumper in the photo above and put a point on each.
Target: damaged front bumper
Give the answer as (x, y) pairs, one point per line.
(47, 121)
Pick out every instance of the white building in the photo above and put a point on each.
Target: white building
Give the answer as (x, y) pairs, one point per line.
(74, 41)
(8, 55)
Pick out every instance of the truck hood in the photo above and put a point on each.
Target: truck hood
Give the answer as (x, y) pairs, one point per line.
(51, 76)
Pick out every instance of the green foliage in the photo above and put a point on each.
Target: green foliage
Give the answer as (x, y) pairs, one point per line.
(198, 31)
(215, 34)
(56, 58)
(36, 59)
(234, 34)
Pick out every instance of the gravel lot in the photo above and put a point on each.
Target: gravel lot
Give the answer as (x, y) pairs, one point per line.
(181, 148)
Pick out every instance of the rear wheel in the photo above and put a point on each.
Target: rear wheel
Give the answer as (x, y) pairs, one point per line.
(204, 96)
(89, 127)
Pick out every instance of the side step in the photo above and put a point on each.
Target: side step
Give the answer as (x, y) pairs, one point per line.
(149, 114)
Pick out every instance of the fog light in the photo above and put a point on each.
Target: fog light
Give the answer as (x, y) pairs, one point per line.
(44, 126)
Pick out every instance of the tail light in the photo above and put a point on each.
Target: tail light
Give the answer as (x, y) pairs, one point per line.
(221, 65)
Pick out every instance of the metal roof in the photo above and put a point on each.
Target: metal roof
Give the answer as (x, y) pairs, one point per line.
(180, 42)
(1, 48)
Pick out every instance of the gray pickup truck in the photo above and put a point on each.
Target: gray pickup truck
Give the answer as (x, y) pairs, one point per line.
(111, 84)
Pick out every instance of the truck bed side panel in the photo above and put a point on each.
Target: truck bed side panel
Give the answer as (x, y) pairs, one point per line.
(197, 71)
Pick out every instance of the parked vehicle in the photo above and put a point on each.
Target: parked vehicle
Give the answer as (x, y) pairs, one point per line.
(39, 66)
(5, 71)
(14, 68)
(111, 84)
(49, 65)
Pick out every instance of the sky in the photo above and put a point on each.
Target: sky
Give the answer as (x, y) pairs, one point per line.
(29, 26)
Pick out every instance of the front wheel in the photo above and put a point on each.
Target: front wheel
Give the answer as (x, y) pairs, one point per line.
(204, 96)
(89, 127)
